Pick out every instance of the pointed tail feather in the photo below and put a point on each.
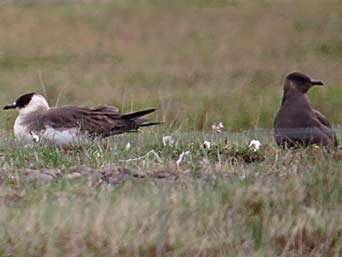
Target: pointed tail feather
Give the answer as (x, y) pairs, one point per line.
(150, 124)
(137, 119)
(141, 122)
(138, 114)
(135, 126)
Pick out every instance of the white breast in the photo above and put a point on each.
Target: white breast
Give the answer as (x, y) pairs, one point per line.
(49, 135)
(21, 132)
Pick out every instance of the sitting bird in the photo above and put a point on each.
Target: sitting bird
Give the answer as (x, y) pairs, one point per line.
(297, 123)
(68, 124)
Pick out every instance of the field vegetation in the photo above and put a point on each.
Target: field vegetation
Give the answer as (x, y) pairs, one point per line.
(198, 62)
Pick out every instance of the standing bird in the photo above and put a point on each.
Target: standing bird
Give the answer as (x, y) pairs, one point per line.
(297, 123)
(68, 124)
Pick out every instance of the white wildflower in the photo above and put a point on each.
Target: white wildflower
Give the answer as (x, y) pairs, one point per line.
(217, 128)
(35, 138)
(254, 145)
(206, 144)
(168, 140)
(128, 146)
(181, 157)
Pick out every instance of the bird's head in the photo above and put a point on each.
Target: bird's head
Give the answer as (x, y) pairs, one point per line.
(297, 81)
(28, 103)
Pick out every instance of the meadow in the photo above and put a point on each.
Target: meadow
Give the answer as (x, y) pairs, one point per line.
(198, 62)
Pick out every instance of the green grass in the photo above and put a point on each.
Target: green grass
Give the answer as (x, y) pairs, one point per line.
(198, 62)
(128, 203)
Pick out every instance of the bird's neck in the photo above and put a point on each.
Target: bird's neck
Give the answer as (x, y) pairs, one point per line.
(294, 94)
(33, 109)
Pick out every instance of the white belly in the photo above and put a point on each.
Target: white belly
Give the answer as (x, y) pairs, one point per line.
(60, 137)
(48, 135)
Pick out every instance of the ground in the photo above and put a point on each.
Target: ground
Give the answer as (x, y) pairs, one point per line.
(199, 62)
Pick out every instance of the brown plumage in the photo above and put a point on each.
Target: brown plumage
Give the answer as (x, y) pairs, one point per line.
(65, 124)
(297, 123)
(101, 121)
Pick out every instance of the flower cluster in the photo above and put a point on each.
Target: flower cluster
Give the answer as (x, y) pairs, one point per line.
(168, 140)
(206, 144)
(217, 128)
(254, 145)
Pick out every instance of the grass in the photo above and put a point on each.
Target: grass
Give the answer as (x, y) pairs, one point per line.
(198, 62)
(127, 203)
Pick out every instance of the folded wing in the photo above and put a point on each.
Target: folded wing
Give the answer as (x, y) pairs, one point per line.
(326, 127)
(99, 121)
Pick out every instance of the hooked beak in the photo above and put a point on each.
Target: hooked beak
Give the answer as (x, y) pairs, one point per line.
(317, 83)
(10, 106)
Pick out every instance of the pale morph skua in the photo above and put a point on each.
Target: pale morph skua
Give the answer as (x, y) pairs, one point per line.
(70, 124)
(297, 123)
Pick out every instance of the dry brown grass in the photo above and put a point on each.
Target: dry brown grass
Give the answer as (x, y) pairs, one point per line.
(287, 204)
(197, 65)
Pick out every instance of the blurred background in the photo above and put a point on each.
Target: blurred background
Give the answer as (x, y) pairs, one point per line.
(197, 61)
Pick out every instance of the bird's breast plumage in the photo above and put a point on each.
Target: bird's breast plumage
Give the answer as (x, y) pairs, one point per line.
(22, 133)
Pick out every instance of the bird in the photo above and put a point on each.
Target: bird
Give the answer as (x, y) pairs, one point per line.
(297, 123)
(70, 124)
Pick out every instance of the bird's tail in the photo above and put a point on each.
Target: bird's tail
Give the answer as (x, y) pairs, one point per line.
(134, 115)
(138, 120)
(151, 124)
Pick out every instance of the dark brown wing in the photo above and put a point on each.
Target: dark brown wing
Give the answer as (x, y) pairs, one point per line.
(322, 118)
(326, 126)
(95, 121)
(99, 121)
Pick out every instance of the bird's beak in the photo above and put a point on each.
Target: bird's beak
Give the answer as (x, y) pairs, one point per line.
(317, 83)
(10, 106)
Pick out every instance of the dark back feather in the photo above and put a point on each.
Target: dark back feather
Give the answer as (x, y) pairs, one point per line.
(99, 121)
